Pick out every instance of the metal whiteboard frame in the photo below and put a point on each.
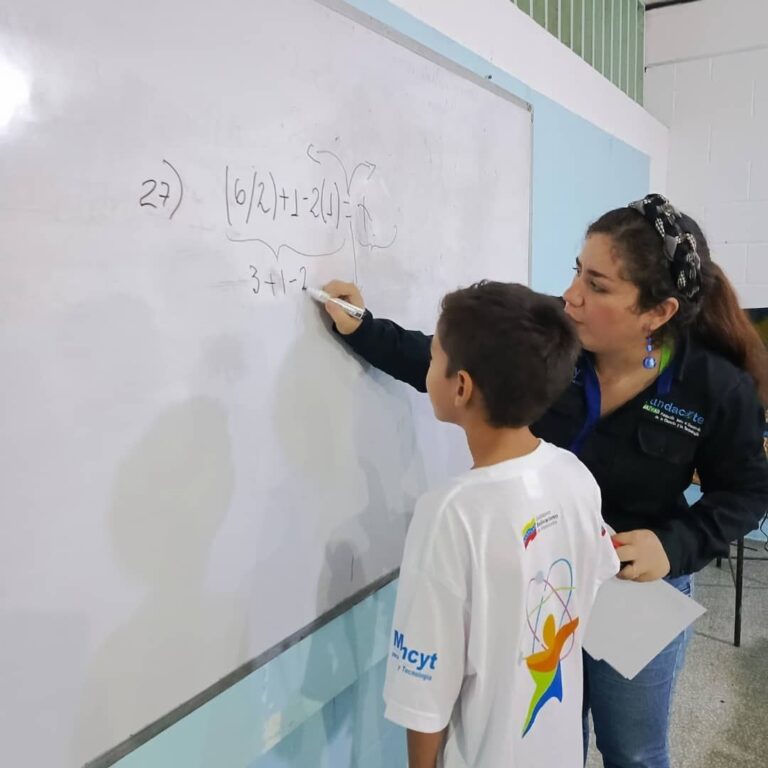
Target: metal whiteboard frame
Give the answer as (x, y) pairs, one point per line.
(179, 713)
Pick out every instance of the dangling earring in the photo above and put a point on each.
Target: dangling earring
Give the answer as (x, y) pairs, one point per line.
(649, 361)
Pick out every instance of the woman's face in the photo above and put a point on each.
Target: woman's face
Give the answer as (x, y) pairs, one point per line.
(602, 304)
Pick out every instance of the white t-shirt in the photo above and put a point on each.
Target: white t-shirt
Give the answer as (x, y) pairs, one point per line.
(499, 575)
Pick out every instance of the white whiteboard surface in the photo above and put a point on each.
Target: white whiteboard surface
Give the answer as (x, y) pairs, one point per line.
(192, 467)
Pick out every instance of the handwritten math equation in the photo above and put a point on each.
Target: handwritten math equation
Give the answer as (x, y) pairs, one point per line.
(278, 281)
(165, 192)
(258, 203)
(263, 195)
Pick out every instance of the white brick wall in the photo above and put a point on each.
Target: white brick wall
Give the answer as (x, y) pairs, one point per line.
(707, 79)
(705, 28)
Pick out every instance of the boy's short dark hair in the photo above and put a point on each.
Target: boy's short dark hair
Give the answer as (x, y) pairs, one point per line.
(517, 345)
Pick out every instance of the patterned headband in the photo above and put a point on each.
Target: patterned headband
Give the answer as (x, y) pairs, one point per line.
(679, 245)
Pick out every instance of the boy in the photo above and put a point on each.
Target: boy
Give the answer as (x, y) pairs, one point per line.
(502, 564)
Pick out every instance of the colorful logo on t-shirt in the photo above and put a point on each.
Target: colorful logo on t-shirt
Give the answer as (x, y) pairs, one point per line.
(549, 596)
(529, 532)
(537, 525)
(412, 662)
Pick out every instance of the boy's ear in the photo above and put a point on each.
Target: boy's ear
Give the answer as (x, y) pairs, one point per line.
(464, 389)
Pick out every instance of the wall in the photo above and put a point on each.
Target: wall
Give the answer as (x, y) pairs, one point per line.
(707, 80)
(319, 703)
(572, 160)
(608, 34)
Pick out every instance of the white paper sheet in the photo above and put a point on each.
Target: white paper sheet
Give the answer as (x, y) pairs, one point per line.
(632, 622)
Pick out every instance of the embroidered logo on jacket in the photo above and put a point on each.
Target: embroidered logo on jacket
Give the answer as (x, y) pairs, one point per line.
(672, 415)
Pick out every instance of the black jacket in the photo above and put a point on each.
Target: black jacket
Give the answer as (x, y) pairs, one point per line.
(702, 413)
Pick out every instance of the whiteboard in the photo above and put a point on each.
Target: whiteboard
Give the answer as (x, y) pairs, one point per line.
(193, 467)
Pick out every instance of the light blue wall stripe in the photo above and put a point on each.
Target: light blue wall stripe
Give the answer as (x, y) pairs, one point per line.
(579, 172)
(251, 717)
(349, 732)
(319, 703)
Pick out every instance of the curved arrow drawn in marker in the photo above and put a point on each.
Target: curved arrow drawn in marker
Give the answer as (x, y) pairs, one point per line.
(347, 178)
(371, 170)
(381, 247)
(309, 155)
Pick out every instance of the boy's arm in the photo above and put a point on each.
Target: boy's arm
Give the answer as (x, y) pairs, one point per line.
(427, 661)
(424, 748)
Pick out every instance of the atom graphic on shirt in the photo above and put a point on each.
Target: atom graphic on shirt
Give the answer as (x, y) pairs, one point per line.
(552, 627)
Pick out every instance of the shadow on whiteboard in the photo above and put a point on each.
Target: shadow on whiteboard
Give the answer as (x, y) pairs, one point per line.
(170, 495)
(362, 452)
(348, 439)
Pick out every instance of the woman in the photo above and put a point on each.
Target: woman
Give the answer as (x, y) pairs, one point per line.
(670, 381)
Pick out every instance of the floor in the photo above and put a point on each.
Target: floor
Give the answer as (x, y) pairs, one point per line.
(720, 712)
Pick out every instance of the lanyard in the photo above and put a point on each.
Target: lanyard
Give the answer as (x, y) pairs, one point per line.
(592, 396)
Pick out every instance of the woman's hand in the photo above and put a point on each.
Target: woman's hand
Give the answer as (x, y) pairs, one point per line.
(643, 554)
(349, 292)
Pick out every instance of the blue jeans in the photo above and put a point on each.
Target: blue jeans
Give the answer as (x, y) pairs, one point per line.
(631, 717)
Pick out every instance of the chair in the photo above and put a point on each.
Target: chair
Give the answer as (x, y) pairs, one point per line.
(738, 583)
(738, 577)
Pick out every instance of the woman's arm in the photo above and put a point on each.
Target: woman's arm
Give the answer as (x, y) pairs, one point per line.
(403, 354)
(734, 481)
